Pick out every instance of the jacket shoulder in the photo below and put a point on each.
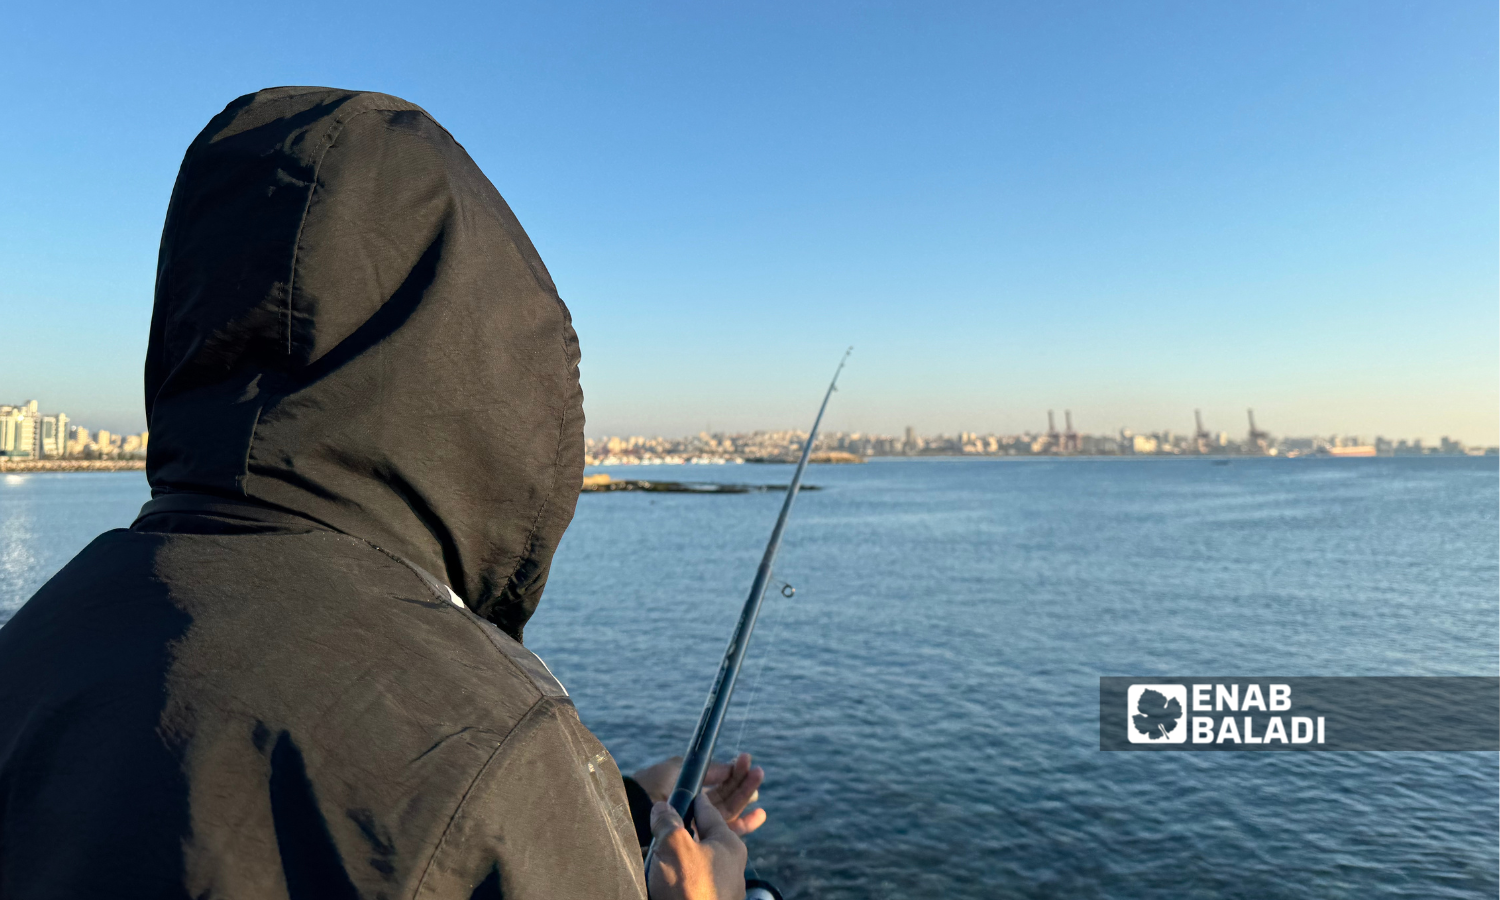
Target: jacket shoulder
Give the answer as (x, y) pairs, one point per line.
(526, 664)
(546, 816)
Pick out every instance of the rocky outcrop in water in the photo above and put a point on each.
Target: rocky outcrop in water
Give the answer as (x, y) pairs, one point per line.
(602, 484)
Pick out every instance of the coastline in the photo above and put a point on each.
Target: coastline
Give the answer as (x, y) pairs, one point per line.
(17, 466)
(24, 466)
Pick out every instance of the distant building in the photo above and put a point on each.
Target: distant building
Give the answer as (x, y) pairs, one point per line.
(78, 441)
(1098, 445)
(35, 416)
(135, 444)
(54, 436)
(20, 431)
(10, 428)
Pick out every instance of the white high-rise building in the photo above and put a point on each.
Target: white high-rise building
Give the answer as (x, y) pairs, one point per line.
(9, 420)
(35, 438)
(54, 436)
(20, 436)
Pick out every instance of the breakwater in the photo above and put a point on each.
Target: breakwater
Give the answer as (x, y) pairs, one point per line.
(603, 484)
(71, 465)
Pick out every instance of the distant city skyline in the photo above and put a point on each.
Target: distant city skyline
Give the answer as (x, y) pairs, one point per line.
(1127, 210)
(30, 431)
(1307, 420)
(841, 420)
(787, 446)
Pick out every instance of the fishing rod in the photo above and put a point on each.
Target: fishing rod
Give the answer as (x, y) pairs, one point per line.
(700, 750)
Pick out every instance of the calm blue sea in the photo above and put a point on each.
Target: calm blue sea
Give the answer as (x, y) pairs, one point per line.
(926, 705)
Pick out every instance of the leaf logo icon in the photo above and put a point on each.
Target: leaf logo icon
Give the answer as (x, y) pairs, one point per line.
(1156, 715)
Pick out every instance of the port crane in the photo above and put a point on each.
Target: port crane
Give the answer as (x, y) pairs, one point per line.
(1200, 435)
(1259, 440)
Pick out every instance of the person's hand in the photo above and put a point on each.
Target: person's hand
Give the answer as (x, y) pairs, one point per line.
(712, 867)
(731, 788)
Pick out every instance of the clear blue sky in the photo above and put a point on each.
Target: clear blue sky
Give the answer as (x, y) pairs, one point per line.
(1126, 209)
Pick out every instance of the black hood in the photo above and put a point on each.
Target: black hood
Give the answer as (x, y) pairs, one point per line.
(351, 326)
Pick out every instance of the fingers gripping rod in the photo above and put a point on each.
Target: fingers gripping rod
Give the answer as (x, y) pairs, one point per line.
(700, 751)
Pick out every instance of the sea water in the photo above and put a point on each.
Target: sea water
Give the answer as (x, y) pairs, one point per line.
(926, 704)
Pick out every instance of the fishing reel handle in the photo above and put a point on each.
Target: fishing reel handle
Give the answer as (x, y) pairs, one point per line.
(755, 889)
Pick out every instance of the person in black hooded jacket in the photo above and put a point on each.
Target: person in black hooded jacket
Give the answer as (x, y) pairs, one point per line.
(299, 674)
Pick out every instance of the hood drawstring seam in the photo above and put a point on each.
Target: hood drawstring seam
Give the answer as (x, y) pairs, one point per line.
(330, 138)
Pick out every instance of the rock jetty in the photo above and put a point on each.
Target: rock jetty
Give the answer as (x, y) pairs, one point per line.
(831, 456)
(602, 484)
(71, 465)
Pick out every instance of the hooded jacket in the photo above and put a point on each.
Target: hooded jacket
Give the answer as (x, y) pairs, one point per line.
(299, 673)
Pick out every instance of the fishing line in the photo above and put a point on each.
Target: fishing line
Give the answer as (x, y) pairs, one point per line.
(788, 592)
